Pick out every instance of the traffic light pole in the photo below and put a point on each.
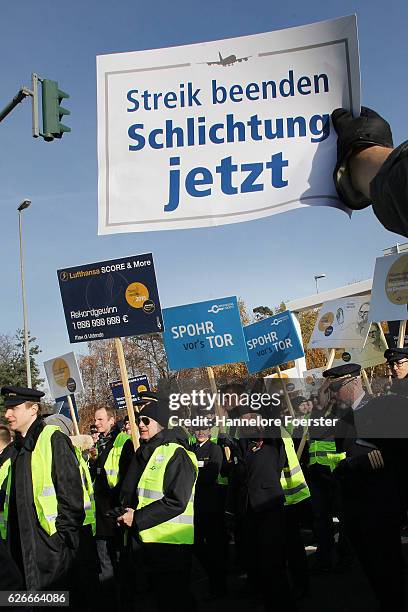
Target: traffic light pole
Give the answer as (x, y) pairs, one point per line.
(21, 95)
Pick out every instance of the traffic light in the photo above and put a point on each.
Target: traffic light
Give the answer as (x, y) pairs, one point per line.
(52, 111)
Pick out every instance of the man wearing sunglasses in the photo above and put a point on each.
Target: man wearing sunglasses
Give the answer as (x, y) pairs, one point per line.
(397, 361)
(158, 495)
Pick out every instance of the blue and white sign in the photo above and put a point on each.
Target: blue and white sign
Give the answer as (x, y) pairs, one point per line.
(272, 341)
(204, 334)
(137, 385)
(223, 131)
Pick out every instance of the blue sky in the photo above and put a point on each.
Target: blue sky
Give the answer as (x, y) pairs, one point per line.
(262, 261)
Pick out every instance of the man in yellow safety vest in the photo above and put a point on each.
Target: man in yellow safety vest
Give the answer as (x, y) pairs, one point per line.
(158, 493)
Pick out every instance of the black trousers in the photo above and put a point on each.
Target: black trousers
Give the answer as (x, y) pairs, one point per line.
(326, 503)
(211, 547)
(377, 544)
(295, 550)
(265, 543)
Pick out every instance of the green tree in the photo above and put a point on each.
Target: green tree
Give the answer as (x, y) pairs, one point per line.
(12, 360)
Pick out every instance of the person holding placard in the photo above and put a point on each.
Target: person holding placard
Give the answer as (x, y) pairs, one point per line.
(369, 170)
(157, 499)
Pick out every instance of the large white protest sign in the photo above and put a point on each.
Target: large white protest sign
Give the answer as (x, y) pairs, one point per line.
(342, 323)
(389, 295)
(371, 355)
(223, 131)
(63, 375)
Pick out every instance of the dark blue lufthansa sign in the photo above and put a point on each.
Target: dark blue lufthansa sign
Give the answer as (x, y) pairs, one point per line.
(111, 299)
(137, 384)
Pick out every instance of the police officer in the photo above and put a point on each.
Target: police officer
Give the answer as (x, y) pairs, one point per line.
(108, 465)
(397, 360)
(158, 495)
(45, 509)
(369, 477)
(210, 536)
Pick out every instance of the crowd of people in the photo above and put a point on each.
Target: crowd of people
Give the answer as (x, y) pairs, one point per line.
(90, 515)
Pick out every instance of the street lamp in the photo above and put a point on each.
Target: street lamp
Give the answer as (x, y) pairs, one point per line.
(24, 204)
(316, 277)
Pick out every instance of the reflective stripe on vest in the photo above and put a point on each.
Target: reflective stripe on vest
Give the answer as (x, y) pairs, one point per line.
(318, 451)
(87, 487)
(292, 479)
(5, 482)
(180, 529)
(112, 461)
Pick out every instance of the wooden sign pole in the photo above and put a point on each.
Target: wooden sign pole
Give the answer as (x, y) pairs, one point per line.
(366, 382)
(330, 358)
(302, 443)
(285, 393)
(128, 396)
(214, 390)
(73, 416)
(401, 334)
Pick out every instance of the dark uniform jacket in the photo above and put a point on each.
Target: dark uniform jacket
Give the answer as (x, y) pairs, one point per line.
(365, 489)
(208, 493)
(7, 453)
(107, 498)
(45, 561)
(178, 483)
(258, 464)
(389, 191)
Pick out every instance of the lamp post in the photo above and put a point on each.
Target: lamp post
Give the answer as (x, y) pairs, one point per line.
(24, 204)
(316, 277)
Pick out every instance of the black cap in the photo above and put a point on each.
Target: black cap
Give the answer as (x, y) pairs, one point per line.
(395, 354)
(145, 396)
(347, 369)
(299, 399)
(13, 396)
(158, 410)
(93, 429)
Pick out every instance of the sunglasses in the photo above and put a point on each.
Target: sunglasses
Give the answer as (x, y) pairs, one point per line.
(143, 419)
(397, 364)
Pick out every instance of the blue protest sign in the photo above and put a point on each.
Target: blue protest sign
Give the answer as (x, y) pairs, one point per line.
(137, 384)
(204, 334)
(111, 299)
(63, 406)
(272, 341)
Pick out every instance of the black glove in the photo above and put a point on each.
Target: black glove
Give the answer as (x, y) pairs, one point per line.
(224, 439)
(368, 130)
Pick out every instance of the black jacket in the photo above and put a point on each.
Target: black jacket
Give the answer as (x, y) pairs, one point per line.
(7, 453)
(208, 493)
(389, 191)
(256, 476)
(364, 489)
(45, 561)
(107, 498)
(179, 479)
